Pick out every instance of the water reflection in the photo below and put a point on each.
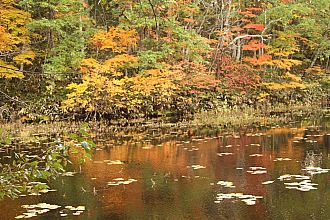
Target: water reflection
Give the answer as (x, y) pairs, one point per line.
(183, 175)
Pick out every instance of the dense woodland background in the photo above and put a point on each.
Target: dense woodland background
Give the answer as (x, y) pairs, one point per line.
(148, 58)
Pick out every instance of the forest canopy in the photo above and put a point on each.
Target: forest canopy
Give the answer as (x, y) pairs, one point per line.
(150, 58)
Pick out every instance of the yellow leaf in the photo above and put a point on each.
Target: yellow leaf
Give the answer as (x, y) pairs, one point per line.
(9, 71)
(116, 39)
(25, 58)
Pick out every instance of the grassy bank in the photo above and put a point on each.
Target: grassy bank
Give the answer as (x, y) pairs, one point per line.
(248, 116)
(221, 118)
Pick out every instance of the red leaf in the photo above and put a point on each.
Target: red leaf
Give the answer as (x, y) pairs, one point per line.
(258, 27)
(245, 20)
(253, 45)
(247, 13)
(237, 29)
(253, 9)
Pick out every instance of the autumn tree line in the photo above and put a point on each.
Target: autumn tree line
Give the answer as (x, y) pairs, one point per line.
(149, 58)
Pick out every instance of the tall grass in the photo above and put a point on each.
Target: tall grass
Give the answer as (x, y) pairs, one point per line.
(244, 116)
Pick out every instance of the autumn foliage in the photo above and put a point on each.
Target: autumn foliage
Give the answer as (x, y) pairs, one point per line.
(142, 58)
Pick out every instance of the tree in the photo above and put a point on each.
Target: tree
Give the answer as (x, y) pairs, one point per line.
(62, 29)
(15, 51)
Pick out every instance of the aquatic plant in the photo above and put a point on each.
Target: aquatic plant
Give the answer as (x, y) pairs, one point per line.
(25, 173)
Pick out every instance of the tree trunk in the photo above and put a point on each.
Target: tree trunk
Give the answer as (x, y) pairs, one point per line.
(315, 58)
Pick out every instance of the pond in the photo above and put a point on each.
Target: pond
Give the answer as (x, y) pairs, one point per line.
(270, 173)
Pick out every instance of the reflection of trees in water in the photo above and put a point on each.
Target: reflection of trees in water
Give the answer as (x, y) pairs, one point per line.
(312, 159)
(326, 139)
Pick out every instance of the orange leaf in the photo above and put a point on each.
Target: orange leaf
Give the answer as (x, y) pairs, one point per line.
(253, 45)
(258, 27)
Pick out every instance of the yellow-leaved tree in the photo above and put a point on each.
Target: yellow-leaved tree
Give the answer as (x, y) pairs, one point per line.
(112, 83)
(14, 40)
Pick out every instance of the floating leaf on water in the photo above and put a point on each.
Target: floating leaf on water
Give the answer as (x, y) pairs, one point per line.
(301, 177)
(249, 201)
(292, 184)
(309, 184)
(34, 194)
(200, 139)
(36, 183)
(255, 155)
(29, 214)
(239, 168)
(304, 185)
(63, 215)
(278, 159)
(268, 182)
(257, 168)
(121, 181)
(69, 174)
(307, 187)
(242, 196)
(43, 211)
(125, 182)
(81, 208)
(257, 172)
(282, 159)
(47, 206)
(287, 159)
(47, 190)
(20, 216)
(227, 184)
(285, 177)
(197, 167)
(113, 184)
(303, 189)
(315, 170)
(224, 154)
(291, 187)
(115, 162)
(146, 147)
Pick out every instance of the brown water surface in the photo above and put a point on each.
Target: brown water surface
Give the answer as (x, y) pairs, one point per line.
(175, 176)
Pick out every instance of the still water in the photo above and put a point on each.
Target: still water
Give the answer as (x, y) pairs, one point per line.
(273, 173)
